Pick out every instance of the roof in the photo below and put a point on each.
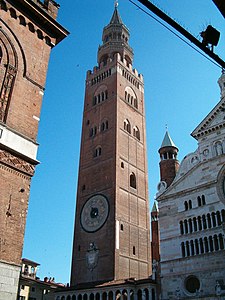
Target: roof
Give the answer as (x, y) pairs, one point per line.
(105, 285)
(215, 119)
(155, 207)
(30, 262)
(116, 19)
(167, 141)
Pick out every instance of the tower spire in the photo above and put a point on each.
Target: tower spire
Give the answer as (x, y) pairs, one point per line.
(115, 39)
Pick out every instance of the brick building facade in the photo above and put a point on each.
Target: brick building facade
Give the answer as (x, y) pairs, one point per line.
(27, 34)
(112, 196)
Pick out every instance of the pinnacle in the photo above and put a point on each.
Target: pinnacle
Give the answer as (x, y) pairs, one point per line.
(167, 141)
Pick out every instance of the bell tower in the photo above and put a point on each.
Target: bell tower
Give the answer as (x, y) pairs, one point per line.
(112, 234)
(169, 164)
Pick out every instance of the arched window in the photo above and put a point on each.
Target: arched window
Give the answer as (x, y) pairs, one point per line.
(199, 201)
(136, 132)
(185, 226)
(187, 248)
(103, 96)
(199, 223)
(135, 103)
(122, 165)
(206, 244)
(185, 205)
(104, 125)
(98, 152)
(219, 221)
(190, 225)
(203, 199)
(92, 297)
(134, 251)
(183, 249)
(127, 126)
(209, 221)
(201, 245)
(211, 247)
(133, 181)
(213, 219)
(196, 247)
(195, 224)
(223, 214)
(221, 241)
(190, 204)
(181, 228)
(204, 222)
(192, 247)
(215, 238)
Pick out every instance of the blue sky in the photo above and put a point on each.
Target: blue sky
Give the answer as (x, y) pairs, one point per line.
(180, 90)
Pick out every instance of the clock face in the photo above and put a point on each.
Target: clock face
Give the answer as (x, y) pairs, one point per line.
(94, 213)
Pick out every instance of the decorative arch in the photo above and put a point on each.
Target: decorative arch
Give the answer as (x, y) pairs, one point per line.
(218, 148)
(136, 132)
(126, 126)
(130, 96)
(9, 66)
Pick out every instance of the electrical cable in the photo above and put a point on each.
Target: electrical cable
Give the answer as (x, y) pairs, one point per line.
(173, 32)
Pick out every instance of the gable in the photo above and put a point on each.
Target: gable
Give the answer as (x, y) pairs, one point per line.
(214, 121)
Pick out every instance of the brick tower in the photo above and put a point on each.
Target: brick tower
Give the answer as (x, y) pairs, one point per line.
(111, 237)
(169, 164)
(155, 233)
(28, 31)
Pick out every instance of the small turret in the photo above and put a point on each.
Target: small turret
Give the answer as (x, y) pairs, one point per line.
(169, 164)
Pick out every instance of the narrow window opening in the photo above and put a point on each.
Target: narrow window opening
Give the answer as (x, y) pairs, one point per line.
(133, 180)
(203, 200)
(134, 250)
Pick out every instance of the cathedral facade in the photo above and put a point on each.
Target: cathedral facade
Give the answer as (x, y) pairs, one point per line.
(192, 212)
